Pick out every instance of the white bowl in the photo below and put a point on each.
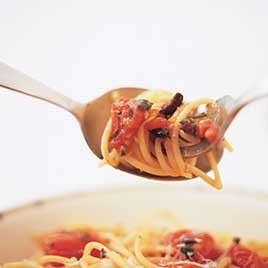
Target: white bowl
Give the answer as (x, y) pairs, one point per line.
(232, 211)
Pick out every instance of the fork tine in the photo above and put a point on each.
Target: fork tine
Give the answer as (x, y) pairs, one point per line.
(226, 101)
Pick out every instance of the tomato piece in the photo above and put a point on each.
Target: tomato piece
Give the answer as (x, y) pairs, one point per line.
(202, 127)
(68, 244)
(126, 118)
(158, 122)
(207, 247)
(204, 246)
(175, 238)
(207, 129)
(212, 133)
(244, 257)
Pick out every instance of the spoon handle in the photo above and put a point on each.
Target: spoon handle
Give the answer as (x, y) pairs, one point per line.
(19, 82)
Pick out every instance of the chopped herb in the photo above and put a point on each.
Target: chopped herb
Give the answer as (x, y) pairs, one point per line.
(143, 104)
(236, 240)
(188, 251)
(122, 151)
(160, 133)
(130, 113)
(103, 253)
(113, 135)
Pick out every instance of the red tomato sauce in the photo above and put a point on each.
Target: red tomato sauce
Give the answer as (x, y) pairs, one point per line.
(126, 117)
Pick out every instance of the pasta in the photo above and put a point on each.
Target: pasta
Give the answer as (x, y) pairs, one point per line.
(148, 133)
(159, 243)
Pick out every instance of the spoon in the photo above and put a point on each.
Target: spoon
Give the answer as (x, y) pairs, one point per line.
(92, 116)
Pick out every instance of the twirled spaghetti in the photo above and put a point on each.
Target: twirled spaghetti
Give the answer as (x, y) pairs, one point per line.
(159, 243)
(148, 133)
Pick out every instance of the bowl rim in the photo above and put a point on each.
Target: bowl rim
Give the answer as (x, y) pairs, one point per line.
(54, 198)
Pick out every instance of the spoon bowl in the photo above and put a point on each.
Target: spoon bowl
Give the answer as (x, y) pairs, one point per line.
(93, 118)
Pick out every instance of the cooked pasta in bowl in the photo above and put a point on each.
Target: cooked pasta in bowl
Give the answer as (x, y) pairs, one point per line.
(146, 226)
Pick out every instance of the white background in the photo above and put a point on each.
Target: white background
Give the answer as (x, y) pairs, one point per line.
(83, 48)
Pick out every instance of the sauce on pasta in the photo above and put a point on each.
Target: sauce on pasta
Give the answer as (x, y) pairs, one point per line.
(147, 133)
(148, 245)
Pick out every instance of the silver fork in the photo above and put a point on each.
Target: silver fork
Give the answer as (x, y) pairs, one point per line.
(229, 108)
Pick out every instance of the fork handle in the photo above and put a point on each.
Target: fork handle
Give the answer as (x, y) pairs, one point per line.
(17, 81)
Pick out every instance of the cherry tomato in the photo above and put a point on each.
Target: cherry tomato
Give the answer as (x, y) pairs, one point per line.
(126, 119)
(204, 248)
(68, 244)
(202, 126)
(244, 257)
(212, 133)
(207, 129)
(175, 238)
(158, 122)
